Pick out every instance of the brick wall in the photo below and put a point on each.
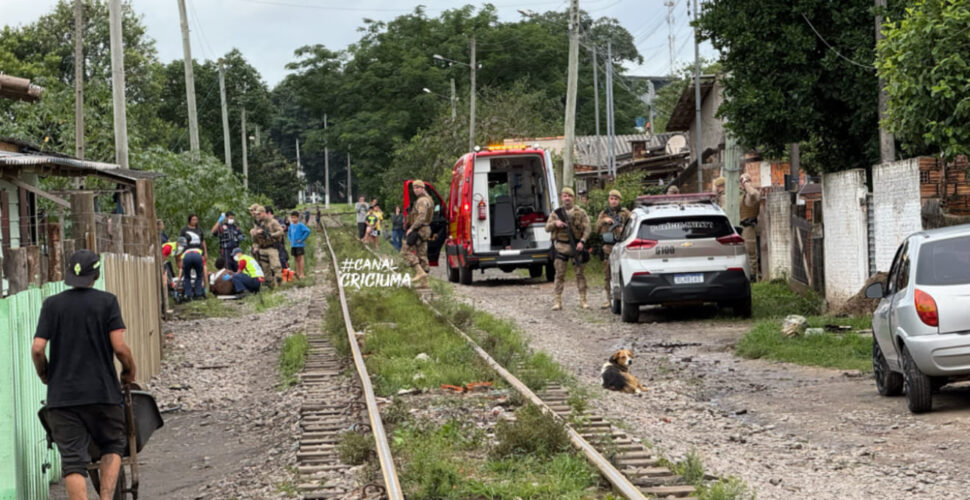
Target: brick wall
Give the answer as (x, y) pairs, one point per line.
(846, 228)
(896, 206)
(778, 233)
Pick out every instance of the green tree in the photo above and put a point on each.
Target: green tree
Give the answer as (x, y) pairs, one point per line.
(271, 175)
(786, 85)
(925, 61)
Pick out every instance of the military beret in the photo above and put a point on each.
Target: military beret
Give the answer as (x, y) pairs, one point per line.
(568, 190)
(616, 193)
(418, 184)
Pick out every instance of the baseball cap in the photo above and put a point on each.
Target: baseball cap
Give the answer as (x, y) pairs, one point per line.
(236, 251)
(83, 268)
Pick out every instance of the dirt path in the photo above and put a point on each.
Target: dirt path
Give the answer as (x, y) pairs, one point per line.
(234, 434)
(788, 431)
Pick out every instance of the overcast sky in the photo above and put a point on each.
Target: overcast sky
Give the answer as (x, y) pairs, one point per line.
(267, 31)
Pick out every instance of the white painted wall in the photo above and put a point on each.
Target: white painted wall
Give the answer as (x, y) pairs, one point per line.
(846, 229)
(896, 207)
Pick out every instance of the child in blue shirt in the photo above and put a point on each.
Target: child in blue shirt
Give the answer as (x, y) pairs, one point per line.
(297, 234)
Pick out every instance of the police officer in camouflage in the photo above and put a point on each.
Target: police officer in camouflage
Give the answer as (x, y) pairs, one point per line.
(610, 224)
(267, 233)
(418, 232)
(579, 223)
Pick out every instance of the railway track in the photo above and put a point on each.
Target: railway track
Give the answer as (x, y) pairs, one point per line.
(632, 469)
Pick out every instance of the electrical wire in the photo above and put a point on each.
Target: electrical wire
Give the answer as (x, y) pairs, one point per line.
(819, 35)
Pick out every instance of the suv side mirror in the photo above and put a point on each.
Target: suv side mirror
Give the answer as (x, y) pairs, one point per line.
(875, 291)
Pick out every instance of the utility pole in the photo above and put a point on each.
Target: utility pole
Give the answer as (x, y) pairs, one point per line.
(471, 118)
(304, 193)
(326, 164)
(225, 115)
(610, 118)
(259, 141)
(671, 37)
(699, 140)
(651, 97)
(596, 110)
(887, 143)
(245, 154)
(79, 81)
(572, 80)
(350, 197)
(454, 101)
(118, 84)
(189, 81)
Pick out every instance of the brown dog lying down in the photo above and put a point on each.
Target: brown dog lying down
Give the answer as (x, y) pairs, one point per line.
(616, 373)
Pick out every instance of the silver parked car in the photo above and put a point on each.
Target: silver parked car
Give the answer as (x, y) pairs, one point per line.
(921, 327)
(679, 249)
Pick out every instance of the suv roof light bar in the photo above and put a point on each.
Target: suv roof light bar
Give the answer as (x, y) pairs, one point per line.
(676, 199)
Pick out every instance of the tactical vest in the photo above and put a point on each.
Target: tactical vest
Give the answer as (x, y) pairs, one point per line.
(749, 212)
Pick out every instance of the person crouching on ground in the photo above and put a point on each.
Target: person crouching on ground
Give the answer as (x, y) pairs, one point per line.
(249, 279)
(297, 234)
(86, 332)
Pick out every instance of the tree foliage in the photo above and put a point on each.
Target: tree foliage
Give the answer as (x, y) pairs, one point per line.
(925, 61)
(786, 85)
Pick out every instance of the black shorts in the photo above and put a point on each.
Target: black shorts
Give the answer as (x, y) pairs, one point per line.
(297, 251)
(74, 428)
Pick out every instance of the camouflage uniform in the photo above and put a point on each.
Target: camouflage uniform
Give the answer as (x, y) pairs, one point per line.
(579, 223)
(268, 235)
(621, 215)
(418, 219)
(750, 206)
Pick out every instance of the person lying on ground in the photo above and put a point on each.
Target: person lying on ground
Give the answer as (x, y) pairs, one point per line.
(220, 282)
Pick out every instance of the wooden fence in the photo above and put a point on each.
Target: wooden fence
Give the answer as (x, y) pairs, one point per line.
(134, 281)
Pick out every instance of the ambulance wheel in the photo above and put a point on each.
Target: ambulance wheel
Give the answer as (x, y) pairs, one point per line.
(550, 272)
(465, 275)
(535, 271)
(452, 274)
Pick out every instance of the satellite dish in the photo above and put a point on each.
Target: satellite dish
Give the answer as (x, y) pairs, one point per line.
(676, 144)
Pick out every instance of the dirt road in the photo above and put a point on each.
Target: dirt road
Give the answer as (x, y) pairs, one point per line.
(788, 431)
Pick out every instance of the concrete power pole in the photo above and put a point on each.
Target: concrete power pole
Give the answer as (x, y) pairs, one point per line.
(118, 84)
(596, 109)
(245, 154)
(189, 81)
(887, 143)
(471, 117)
(699, 140)
(350, 196)
(326, 166)
(572, 81)
(305, 192)
(454, 101)
(79, 79)
(225, 115)
(610, 114)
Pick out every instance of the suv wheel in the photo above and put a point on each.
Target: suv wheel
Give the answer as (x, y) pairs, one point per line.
(535, 271)
(465, 275)
(615, 306)
(919, 390)
(629, 312)
(452, 274)
(888, 382)
(742, 308)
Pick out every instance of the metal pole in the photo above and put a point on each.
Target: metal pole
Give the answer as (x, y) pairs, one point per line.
(454, 101)
(572, 81)
(189, 81)
(225, 115)
(299, 168)
(245, 153)
(596, 112)
(326, 165)
(350, 197)
(118, 84)
(732, 172)
(699, 140)
(78, 80)
(610, 110)
(471, 119)
(887, 143)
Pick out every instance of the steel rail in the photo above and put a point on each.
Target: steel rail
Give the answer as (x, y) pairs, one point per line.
(388, 470)
(611, 473)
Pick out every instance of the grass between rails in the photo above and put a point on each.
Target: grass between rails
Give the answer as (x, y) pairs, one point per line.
(773, 301)
(455, 458)
(292, 358)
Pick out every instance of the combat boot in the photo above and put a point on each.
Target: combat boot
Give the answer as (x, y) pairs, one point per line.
(557, 305)
(420, 277)
(606, 303)
(582, 301)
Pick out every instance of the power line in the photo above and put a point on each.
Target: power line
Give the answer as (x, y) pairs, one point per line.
(819, 35)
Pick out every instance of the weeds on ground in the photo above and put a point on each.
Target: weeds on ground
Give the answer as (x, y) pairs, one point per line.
(211, 307)
(691, 468)
(848, 351)
(396, 412)
(532, 433)
(726, 489)
(355, 448)
(264, 301)
(292, 358)
(776, 299)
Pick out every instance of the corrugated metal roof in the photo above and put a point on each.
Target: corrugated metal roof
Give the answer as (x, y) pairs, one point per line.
(587, 153)
(67, 166)
(683, 114)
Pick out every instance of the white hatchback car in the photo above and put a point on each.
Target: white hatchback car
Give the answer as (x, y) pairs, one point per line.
(679, 249)
(922, 324)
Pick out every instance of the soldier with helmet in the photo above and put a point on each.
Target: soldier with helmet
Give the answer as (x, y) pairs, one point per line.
(267, 233)
(610, 224)
(578, 222)
(418, 233)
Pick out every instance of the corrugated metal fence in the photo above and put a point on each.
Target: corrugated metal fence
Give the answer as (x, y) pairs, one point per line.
(26, 465)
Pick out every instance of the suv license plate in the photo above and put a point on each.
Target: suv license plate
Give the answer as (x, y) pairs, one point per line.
(688, 279)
